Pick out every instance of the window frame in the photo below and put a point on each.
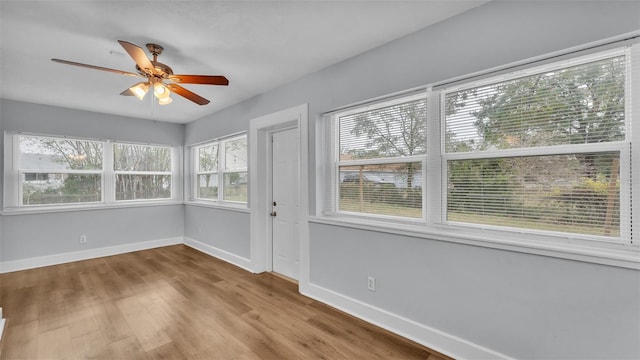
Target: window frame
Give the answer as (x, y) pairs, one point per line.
(12, 187)
(171, 173)
(21, 171)
(615, 251)
(621, 146)
(219, 173)
(197, 172)
(333, 177)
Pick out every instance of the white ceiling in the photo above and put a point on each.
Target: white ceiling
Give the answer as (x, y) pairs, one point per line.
(257, 45)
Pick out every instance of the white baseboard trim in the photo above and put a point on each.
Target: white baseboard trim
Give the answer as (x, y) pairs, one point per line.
(219, 253)
(36, 262)
(432, 338)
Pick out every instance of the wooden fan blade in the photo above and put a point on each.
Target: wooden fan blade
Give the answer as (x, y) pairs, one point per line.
(200, 79)
(96, 67)
(127, 92)
(188, 94)
(139, 56)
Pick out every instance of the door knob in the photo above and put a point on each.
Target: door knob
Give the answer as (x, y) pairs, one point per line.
(273, 213)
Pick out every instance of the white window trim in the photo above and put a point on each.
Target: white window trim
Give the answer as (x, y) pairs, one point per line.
(12, 188)
(579, 247)
(333, 180)
(623, 147)
(220, 171)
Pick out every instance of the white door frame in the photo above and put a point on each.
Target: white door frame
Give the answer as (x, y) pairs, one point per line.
(260, 130)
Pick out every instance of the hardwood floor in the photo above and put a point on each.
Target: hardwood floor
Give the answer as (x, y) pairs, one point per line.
(177, 303)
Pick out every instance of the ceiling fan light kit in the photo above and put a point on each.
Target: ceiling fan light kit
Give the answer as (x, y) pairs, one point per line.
(157, 73)
(139, 90)
(165, 100)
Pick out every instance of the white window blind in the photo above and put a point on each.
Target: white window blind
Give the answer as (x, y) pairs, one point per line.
(549, 150)
(379, 158)
(142, 172)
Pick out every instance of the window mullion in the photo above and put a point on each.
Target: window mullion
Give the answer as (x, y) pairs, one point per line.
(334, 172)
(15, 173)
(632, 173)
(433, 169)
(108, 173)
(221, 169)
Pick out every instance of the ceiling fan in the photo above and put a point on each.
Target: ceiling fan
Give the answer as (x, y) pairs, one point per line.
(158, 76)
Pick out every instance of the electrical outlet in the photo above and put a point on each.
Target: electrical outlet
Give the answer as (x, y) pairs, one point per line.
(83, 239)
(371, 283)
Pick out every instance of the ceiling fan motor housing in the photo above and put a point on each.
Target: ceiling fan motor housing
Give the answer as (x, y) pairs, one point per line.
(162, 70)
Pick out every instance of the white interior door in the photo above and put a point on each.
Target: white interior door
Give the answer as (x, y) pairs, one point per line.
(285, 204)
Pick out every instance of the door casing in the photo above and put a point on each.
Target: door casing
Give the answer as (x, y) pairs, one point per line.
(260, 185)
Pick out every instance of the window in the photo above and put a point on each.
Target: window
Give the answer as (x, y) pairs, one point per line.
(538, 156)
(47, 171)
(221, 170)
(59, 171)
(207, 172)
(235, 170)
(142, 172)
(379, 156)
(541, 151)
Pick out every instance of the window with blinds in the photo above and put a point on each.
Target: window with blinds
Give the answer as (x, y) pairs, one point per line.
(380, 153)
(540, 154)
(142, 172)
(546, 150)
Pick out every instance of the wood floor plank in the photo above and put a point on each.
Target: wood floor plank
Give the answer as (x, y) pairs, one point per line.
(148, 328)
(178, 303)
(127, 348)
(91, 345)
(81, 321)
(55, 344)
(111, 322)
(21, 342)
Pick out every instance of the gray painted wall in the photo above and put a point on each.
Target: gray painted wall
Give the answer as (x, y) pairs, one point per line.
(522, 305)
(525, 306)
(223, 229)
(31, 235)
(34, 235)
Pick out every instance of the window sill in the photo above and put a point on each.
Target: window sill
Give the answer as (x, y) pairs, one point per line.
(222, 206)
(71, 208)
(612, 254)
